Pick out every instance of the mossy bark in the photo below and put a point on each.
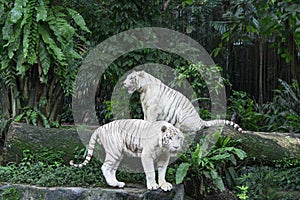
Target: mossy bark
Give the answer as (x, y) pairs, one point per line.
(268, 146)
(259, 145)
(22, 137)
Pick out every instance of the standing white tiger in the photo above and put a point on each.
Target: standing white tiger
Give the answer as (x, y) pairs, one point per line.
(152, 141)
(160, 102)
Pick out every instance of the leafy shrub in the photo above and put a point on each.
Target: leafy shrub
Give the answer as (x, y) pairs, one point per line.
(32, 116)
(245, 111)
(49, 169)
(271, 183)
(283, 113)
(203, 167)
(204, 82)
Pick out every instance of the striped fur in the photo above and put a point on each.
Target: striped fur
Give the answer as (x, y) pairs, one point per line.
(138, 138)
(160, 102)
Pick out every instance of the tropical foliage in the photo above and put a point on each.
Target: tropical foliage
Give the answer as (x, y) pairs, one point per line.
(264, 23)
(280, 115)
(40, 45)
(204, 165)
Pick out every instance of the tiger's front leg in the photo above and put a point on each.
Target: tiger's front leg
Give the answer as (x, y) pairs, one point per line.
(162, 168)
(148, 165)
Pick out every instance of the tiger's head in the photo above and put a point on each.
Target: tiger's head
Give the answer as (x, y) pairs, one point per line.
(132, 81)
(172, 139)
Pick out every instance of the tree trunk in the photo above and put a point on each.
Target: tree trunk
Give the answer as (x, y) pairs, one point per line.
(265, 147)
(22, 137)
(260, 99)
(268, 146)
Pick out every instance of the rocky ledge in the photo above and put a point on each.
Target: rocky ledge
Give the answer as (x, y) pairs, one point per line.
(25, 192)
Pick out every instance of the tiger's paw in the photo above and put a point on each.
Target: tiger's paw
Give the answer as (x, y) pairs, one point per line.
(153, 186)
(117, 184)
(165, 186)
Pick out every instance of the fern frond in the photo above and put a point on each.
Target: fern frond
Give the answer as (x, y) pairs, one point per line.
(78, 20)
(63, 28)
(26, 25)
(17, 11)
(44, 60)
(21, 66)
(7, 32)
(52, 47)
(220, 26)
(41, 10)
(14, 43)
(289, 90)
(9, 74)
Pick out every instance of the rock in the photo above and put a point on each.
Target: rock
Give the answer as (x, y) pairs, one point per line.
(26, 192)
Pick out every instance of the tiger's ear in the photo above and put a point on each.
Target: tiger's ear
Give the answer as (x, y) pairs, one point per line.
(141, 73)
(133, 72)
(163, 128)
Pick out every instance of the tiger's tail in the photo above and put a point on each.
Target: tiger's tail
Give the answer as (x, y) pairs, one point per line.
(89, 155)
(218, 122)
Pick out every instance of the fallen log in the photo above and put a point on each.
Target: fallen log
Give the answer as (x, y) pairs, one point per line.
(259, 145)
(269, 146)
(20, 137)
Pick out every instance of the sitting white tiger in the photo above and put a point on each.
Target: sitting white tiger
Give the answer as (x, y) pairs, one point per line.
(160, 102)
(152, 141)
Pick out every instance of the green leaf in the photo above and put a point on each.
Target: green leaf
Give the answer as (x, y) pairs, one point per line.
(78, 19)
(181, 172)
(19, 117)
(14, 45)
(226, 140)
(41, 10)
(57, 52)
(17, 11)
(217, 180)
(26, 39)
(45, 61)
(240, 153)
(33, 117)
(60, 26)
(232, 159)
(7, 31)
(44, 120)
(221, 157)
(197, 154)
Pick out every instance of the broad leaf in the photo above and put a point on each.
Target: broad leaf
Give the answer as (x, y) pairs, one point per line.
(57, 52)
(78, 19)
(45, 60)
(197, 155)
(240, 153)
(17, 11)
(217, 180)
(221, 157)
(7, 31)
(26, 39)
(41, 11)
(181, 172)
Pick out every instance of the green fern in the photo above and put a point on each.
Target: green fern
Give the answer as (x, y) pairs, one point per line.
(38, 39)
(34, 31)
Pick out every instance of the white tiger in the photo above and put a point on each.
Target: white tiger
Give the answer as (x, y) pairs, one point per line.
(160, 102)
(152, 141)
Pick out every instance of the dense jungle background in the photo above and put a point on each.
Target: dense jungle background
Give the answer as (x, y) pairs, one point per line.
(255, 45)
